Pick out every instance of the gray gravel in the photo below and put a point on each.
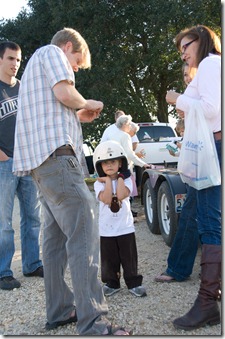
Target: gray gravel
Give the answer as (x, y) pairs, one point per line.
(22, 311)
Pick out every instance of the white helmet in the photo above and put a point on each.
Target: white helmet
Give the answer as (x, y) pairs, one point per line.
(108, 150)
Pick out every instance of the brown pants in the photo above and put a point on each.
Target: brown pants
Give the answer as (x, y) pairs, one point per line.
(116, 252)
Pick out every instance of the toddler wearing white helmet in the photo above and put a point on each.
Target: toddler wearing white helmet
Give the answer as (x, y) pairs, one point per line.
(116, 226)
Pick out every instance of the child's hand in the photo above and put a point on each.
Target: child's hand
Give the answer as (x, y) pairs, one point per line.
(172, 153)
(124, 174)
(179, 144)
(103, 179)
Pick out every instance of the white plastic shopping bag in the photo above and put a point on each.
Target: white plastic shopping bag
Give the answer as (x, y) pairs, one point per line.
(198, 163)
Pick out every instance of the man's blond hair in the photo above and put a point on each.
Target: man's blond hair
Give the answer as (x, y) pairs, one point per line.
(79, 44)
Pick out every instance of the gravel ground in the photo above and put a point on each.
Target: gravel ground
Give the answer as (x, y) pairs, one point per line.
(22, 311)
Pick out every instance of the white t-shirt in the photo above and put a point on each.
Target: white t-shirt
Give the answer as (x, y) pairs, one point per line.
(115, 224)
(111, 129)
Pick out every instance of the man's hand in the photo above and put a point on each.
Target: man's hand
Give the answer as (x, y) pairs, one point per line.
(3, 156)
(86, 115)
(91, 111)
(93, 105)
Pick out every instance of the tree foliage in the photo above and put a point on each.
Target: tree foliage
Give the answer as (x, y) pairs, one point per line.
(134, 60)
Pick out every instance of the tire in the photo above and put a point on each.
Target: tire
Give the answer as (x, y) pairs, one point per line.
(166, 213)
(150, 207)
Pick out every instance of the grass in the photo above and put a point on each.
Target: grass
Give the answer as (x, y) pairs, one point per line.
(90, 180)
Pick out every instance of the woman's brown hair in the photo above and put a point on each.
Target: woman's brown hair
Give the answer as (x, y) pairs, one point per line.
(209, 42)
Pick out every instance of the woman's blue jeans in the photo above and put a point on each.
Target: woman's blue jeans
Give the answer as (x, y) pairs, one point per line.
(185, 245)
(209, 210)
(204, 206)
(30, 213)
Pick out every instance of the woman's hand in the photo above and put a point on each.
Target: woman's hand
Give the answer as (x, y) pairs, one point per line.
(141, 154)
(148, 166)
(180, 113)
(171, 97)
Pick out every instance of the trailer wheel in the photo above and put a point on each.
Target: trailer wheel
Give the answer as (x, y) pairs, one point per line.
(150, 207)
(166, 213)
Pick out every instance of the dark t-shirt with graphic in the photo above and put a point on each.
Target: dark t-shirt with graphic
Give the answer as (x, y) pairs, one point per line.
(8, 111)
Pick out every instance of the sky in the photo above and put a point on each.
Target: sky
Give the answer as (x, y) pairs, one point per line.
(11, 8)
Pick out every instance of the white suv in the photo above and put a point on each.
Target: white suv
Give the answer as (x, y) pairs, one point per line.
(153, 138)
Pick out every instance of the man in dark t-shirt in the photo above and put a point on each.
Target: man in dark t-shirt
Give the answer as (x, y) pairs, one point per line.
(11, 185)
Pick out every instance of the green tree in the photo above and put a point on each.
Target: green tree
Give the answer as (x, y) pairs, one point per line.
(133, 55)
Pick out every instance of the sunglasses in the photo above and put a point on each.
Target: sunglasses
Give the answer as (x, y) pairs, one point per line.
(185, 46)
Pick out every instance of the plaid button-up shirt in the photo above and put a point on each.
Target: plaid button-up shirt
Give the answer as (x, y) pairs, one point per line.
(44, 123)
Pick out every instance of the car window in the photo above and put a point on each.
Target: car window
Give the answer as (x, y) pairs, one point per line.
(154, 133)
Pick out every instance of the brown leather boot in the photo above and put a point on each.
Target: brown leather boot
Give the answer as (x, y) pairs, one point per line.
(205, 309)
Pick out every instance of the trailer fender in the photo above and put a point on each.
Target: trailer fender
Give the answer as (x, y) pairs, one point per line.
(157, 176)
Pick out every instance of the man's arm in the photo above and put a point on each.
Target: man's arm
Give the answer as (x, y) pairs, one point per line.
(68, 95)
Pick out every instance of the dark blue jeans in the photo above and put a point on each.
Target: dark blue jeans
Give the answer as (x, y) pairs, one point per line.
(185, 245)
(209, 210)
(204, 206)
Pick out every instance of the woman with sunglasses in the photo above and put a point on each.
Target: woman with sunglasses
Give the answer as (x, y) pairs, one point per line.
(200, 48)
